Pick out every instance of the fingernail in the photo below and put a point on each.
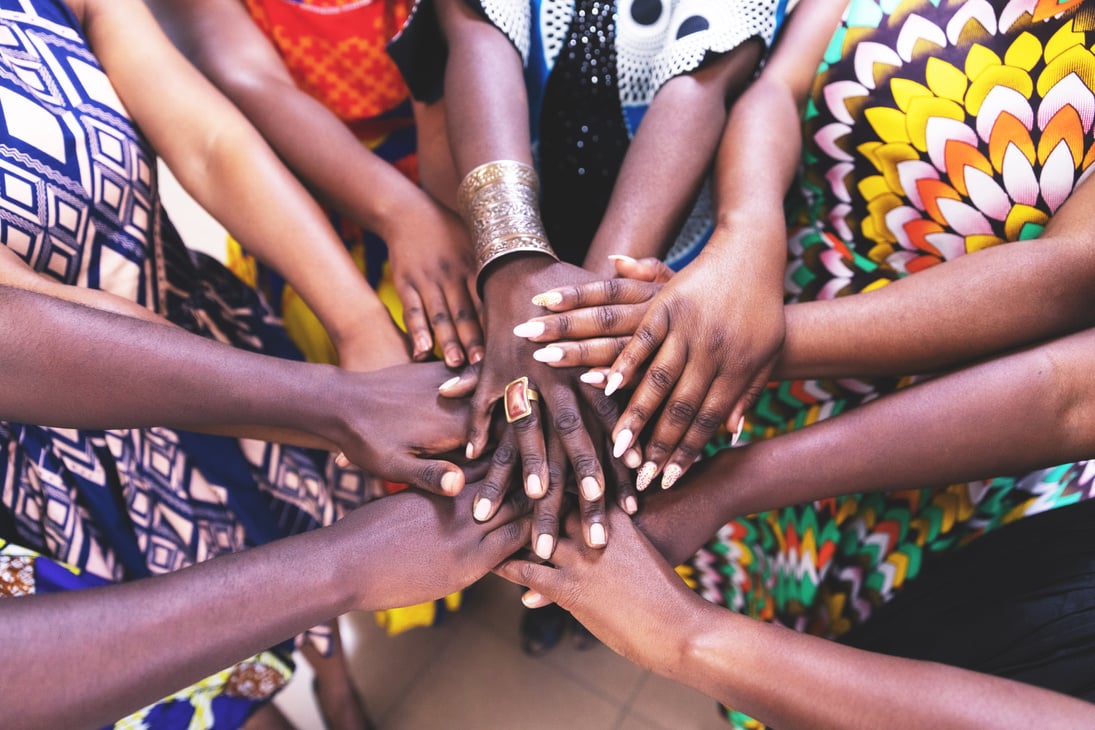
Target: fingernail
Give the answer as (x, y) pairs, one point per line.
(342, 461)
(645, 476)
(547, 299)
(632, 458)
(545, 546)
(591, 490)
(623, 441)
(422, 344)
(534, 487)
(670, 476)
(470, 451)
(597, 536)
(631, 505)
(737, 432)
(482, 509)
(620, 257)
(449, 383)
(548, 354)
(592, 377)
(475, 357)
(614, 382)
(531, 599)
(529, 329)
(450, 483)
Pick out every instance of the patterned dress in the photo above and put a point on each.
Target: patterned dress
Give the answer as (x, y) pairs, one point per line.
(935, 129)
(592, 68)
(78, 508)
(335, 52)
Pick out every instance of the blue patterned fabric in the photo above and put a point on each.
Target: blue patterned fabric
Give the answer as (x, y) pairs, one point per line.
(79, 203)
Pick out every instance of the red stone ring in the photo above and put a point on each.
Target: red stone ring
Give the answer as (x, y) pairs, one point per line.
(518, 398)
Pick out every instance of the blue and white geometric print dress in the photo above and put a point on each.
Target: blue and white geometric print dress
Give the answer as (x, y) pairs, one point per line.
(592, 67)
(79, 203)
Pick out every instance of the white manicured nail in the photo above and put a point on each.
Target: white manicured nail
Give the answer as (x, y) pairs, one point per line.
(532, 599)
(614, 382)
(632, 458)
(529, 329)
(547, 299)
(591, 490)
(548, 354)
(482, 509)
(449, 383)
(737, 432)
(620, 257)
(623, 441)
(534, 487)
(592, 377)
(597, 536)
(631, 505)
(545, 546)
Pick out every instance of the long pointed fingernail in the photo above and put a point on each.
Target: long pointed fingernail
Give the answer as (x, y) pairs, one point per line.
(631, 505)
(547, 299)
(470, 451)
(451, 382)
(620, 257)
(548, 354)
(670, 476)
(545, 546)
(591, 490)
(597, 536)
(482, 509)
(529, 329)
(737, 432)
(645, 476)
(592, 377)
(451, 483)
(632, 458)
(534, 487)
(623, 440)
(614, 382)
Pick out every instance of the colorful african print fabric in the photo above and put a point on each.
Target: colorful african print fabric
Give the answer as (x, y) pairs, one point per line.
(592, 67)
(335, 51)
(935, 129)
(79, 203)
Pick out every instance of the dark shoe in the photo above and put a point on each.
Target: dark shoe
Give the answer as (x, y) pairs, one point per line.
(541, 629)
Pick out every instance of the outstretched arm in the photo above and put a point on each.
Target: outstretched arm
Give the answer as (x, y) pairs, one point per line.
(631, 598)
(155, 636)
(428, 247)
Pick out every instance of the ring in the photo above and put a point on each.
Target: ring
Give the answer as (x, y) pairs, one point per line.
(518, 398)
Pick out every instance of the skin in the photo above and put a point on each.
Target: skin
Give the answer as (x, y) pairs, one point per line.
(629, 596)
(428, 248)
(631, 599)
(942, 317)
(487, 120)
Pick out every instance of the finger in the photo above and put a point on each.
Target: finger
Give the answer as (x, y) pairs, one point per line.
(578, 324)
(468, 329)
(596, 293)
(443, 329)
(646, 269)
(651, 393)
(541, 578)
(641, 347)
(492, 489)
(439, 477)
(595, 376)
(503, 540)
(482, 405)
(414, 318)
(599, 352)
(463, 384)
(607, 413)
(708, 418)
(548, 510)
(567, 421)
(530, 444)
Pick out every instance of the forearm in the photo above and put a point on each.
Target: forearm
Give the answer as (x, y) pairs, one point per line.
(1010, 415)
(82, 368)
(152, 637)
(974, 306)
(791, 680)
(667, 161)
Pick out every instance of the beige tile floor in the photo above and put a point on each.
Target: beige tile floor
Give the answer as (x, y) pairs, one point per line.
(470, 672)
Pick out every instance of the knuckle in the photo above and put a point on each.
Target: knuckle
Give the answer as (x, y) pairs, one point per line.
(440, 318)
(646, 337)
(465, 315)
(564, 324)
(567, 420)
(613, 288)
(429, 472)
(607, 318)
(504, 455)
(658, 448)
(639, 412)
(681, 411)
(708, 421)
(688, 450)
(527, 424)
(491, 489)
(533, 463)
(605, 407)
(659, 378)
(585, 465)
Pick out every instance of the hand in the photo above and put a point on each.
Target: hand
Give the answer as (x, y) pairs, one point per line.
(579, 420)
(421, 547)
(386, 420)
(594, 321)
(626, 594)
(708, 342)
(434, 273)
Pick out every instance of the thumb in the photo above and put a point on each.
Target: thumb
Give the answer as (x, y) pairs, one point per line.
(439, 477)
(463, 384)
(646, 269)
